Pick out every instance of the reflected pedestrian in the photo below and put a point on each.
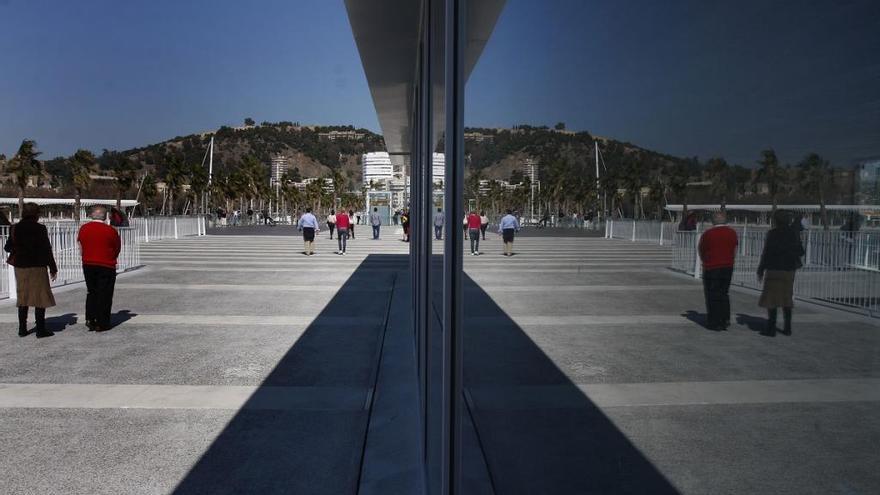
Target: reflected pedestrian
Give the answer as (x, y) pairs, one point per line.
(779, 261)
(717, 250)
(331, 222)
(342, 228)
(308, 225)
(508, 227)
(30, 253)
(484, 224)
(439, 221)
(404, 221)
(100, 246)
(473, 225)
(376, 222)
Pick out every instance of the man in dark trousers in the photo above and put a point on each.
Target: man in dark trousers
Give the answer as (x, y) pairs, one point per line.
(717, 252)
(100, 245)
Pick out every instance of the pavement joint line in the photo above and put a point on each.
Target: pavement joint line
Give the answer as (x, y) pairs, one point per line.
(703, 393)
(255, 287)
(236, 320)
(142, 396)
(594, 320)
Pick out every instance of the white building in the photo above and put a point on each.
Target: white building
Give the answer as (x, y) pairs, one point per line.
(279, 167)
(438, 170)
(377, 167)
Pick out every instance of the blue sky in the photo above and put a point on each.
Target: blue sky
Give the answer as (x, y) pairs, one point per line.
(680, 76)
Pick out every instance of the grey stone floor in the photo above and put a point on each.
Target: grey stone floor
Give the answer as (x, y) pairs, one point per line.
(241, 366)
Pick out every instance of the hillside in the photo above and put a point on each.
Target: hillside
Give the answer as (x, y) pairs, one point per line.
(305, 149)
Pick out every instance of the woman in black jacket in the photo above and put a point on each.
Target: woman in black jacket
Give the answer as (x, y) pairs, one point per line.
(30, 254)
(781, 257)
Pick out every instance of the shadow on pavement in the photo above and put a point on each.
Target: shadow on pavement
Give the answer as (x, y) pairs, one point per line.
(121, 317)
(59, 323)
(539, 432)
(303, 429)
(754, 323)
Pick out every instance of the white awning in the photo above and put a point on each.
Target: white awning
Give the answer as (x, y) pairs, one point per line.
(767, 208)
(68, 201)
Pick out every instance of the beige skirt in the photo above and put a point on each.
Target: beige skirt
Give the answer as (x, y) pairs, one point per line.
(778, 289)
(32, 287)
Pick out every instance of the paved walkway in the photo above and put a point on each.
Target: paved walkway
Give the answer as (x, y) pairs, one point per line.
(238, 362)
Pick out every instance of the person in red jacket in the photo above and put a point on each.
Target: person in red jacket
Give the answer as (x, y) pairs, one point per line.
(717, 252)
(473, 225)
(100, 246)
(343, 224)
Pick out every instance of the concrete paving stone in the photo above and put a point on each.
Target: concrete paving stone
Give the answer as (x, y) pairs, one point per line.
(143, 451)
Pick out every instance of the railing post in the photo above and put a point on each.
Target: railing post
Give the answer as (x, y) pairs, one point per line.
(698, 266)
(175, 227)
(661, 232)
(634, 231)
(10, 276)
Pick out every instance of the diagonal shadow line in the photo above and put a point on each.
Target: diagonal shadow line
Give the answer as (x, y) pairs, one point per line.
(282, 441)
(566, 445)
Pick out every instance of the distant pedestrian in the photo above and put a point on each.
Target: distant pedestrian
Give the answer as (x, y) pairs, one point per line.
(118, 218)
(484, 224)
(351, 223)
(473, 224)
(343, 224)
(30, 252)
(396, 217)
(375, 222)
(308, 225)
(508, 227)
(439, 221)
(100, 246)
(404, 221)
(331, 222)
(717, 250)
(779, 261)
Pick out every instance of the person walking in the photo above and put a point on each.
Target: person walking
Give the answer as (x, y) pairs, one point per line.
(331, 223)
(484, 224)
(342, 228)
(779, 261)
(308, 225)
(30, 253)
(376, 222)
(439, 221)
(473, 224)
(717, 248)
(100, 246)
(507, 227)
(350, 223)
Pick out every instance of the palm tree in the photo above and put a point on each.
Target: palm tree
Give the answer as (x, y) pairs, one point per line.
(315, 193)
(719, 174)
(23, 166)
(81, 166)
(149, 190)
(124, 169)
(678, 181)
(816, 176)
(198, 184)
(773, 175)
(174, 176)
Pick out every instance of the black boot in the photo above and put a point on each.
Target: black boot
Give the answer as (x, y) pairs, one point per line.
(22, 321)
(786, 321)
(770, 331)
(40, 316)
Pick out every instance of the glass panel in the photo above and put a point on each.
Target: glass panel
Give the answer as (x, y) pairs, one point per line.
(607, 137)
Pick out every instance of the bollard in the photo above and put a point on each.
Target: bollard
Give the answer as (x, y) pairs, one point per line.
(634, 231)
(175, 227)
(661, 232)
